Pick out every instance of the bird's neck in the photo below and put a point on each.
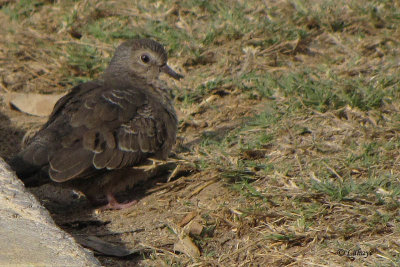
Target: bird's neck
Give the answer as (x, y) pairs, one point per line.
(156, 87)
(116, 74)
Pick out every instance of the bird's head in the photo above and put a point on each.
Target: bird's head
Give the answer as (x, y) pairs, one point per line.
(140, 58)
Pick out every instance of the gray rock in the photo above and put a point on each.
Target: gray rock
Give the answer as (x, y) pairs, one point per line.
(28, 235)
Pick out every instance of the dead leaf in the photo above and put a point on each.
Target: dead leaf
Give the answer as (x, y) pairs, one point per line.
(187, 246)
(195, 228)
(188, 218)
(34, 104)
(185, 243)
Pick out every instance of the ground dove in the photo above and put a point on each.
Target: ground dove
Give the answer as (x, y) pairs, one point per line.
(102, 129)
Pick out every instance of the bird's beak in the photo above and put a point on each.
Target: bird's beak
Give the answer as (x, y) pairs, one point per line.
(167, 69)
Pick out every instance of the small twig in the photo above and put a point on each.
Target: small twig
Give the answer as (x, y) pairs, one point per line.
(158, 249)
(333, 171)
(222, 258)
(200, 188)
(298, 161)
(173, 173)
(232, 224)
(164, 186)
(4, 88)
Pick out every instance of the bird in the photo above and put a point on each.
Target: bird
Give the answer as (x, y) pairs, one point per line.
(103, 129)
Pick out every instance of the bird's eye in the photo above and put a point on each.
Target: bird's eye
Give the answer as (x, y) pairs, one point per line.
(145, 58)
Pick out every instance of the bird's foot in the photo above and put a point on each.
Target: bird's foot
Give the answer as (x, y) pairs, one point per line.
(113, 203)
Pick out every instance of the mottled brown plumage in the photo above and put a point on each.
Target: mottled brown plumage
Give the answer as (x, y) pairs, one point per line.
(103, 128)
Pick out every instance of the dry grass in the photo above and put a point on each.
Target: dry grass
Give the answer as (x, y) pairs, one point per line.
(289, 112)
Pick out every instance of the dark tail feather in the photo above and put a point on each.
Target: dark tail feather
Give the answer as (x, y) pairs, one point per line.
(30, 174)
(23, 168)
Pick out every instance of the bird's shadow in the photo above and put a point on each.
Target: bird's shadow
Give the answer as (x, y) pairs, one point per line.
(73, 213)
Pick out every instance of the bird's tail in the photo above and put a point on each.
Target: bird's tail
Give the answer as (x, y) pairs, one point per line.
(30, 174)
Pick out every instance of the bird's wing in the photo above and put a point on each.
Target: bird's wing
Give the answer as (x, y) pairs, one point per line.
(110, 129)
(75, 95)
(35, 155)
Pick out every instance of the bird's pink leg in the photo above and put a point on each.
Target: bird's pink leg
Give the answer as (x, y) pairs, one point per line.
(113, 203)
